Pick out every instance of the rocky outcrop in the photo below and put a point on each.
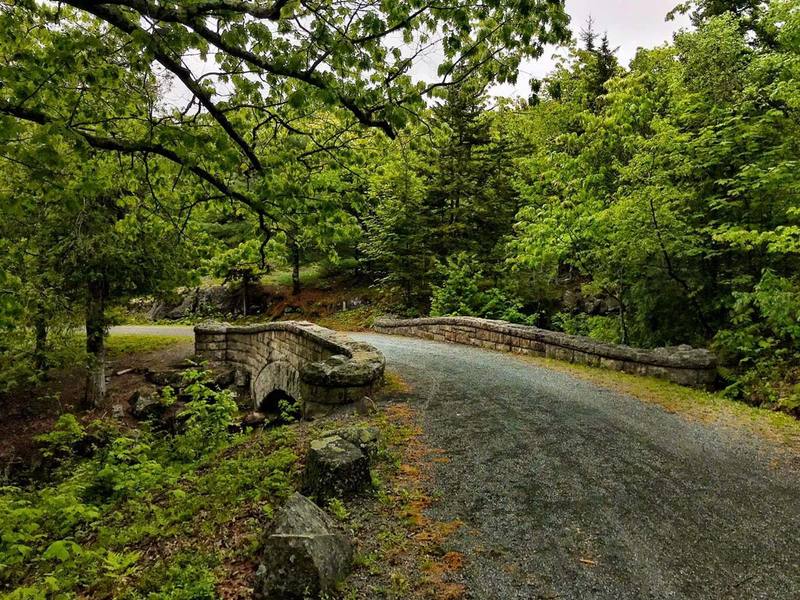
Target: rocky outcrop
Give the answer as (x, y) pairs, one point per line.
(304, 554)
(317, 367)
(192, 302)
(682, 364)
(335, 468)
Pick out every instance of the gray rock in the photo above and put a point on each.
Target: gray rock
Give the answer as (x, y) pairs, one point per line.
(365, 439)
(189, 302)
(146, 404)
(253, 420)
(171, 377)
(335, 468)
(304, 554)
(118, 412)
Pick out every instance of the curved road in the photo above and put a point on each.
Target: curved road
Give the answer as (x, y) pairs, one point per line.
(569, 491)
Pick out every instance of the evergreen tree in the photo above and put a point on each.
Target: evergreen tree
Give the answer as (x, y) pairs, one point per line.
(397, 244)
(470, 204)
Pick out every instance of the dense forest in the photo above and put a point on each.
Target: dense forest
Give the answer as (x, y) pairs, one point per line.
(149, 146)
(654, 204)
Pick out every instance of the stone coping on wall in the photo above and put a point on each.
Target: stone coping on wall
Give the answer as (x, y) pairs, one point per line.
(348, 364)
(680, 364)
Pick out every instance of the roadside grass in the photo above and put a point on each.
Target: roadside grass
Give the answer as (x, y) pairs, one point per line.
(356, 319)
(402, 553)
(704, 406)
(394, 385)
(121, 344)
(309, 275)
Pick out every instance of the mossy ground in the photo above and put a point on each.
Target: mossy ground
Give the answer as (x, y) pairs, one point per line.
(196, 530)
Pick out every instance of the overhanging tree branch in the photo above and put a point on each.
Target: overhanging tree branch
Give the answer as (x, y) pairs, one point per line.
(163, 55)
(136, 147)
(193, 19)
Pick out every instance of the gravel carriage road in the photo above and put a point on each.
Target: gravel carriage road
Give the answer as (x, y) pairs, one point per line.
(570, 491)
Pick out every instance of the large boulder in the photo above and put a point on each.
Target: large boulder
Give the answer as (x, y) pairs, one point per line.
(197, 301)
(304, 554)
(335, 468)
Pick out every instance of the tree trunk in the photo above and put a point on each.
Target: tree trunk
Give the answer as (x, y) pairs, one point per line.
(623, 322)
(295, 269)
(95, 345)
(40, 345)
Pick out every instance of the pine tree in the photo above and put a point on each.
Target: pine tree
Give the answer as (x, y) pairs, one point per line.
(599, 64)
(589, 36)
(469, 205)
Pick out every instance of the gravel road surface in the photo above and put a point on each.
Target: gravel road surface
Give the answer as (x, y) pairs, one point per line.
(570, 491)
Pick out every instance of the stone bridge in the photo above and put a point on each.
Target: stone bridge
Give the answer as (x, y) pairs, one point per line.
(681, 364)
(317, 367)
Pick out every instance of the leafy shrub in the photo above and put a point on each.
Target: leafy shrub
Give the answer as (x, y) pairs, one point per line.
(80, 533)
(187, 576)
(338, 509)
(207, 416)
(763, 343)
(601, 328)
(61, 440)
(461, 294)
(289, 410)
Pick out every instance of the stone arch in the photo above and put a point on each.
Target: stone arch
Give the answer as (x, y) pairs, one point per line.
(277, 376)
(321, 369)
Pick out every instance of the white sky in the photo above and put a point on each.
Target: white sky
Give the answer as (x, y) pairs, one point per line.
(631, 24)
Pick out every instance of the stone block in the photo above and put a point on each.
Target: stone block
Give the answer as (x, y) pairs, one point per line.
(335, 468)
(365, 439)
(305, 555)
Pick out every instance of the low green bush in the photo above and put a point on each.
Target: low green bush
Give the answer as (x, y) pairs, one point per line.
(81, 532)
(462, 293)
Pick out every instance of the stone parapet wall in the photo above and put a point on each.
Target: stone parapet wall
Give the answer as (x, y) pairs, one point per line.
(682, 364)
(318, 367)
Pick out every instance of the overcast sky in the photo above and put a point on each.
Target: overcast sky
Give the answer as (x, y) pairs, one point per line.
(631, 24)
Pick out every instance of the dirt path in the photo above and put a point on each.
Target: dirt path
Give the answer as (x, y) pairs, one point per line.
(570, 491)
